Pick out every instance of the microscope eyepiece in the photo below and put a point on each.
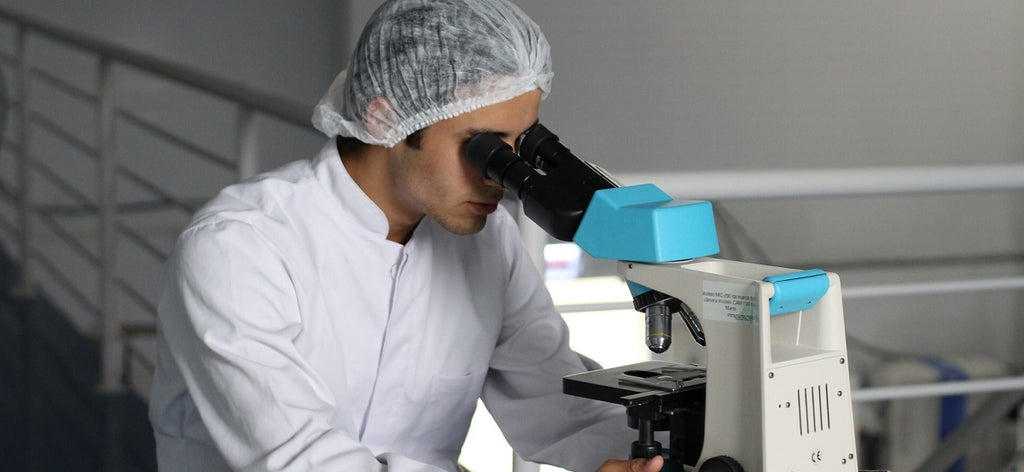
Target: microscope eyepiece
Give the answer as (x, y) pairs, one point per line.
(541, 148)
(494, 158)
(554, 185)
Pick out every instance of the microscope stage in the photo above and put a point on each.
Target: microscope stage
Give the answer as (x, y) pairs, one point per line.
(630, 383)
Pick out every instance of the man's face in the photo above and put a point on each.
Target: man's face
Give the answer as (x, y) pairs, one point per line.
(437, 180)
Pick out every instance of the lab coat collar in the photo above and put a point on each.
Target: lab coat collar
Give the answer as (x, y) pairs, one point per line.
(330, 172)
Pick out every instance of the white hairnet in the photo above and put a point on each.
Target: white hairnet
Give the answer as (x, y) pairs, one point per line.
(422, 61)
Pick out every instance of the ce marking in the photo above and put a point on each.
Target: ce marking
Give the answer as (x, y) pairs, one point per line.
(816, 456)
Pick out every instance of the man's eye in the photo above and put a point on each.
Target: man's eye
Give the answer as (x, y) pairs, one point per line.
(464, 146)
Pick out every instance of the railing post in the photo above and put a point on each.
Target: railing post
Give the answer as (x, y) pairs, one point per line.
(26, 280)
(248, 142)
(112, 336)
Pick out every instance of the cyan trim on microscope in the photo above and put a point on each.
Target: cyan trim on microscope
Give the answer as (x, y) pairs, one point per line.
(636, 289)
(642, 223)
(797, 291)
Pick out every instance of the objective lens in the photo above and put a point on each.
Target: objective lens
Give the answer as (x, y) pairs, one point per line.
(659, 328)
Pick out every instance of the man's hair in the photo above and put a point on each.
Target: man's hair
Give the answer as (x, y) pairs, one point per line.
(349, 145)
(415, 140)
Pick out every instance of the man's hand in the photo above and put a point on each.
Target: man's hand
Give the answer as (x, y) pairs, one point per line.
(636, 465)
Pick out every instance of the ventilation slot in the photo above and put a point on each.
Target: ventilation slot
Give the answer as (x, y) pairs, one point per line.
(813, 409)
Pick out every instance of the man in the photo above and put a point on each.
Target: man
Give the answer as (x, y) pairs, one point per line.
(346, 312)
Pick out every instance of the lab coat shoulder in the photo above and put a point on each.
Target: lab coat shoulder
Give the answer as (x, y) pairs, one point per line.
(262, 202)
(230, 236)
(232, 308)
(220, 256)
(275, 216)
(237, 260)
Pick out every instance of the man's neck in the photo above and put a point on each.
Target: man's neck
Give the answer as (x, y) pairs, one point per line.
(367, 165)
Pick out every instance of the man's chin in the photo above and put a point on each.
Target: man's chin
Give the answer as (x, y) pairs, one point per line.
(463, 227)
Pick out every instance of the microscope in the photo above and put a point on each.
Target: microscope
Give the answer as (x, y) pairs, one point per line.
(774, 395)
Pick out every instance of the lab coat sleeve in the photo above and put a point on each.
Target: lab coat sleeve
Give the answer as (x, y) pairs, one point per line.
(229, 314)
(523, 390)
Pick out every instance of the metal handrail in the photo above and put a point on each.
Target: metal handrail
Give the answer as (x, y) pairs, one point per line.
(859, 292)
(939, 389)
(67, 86)
(156, 190)
(8, 227)
(70, 239)
(173, 139)
(840, 182)
(270, 104)
(61, 183)
(104, 205)
(944, 287)
(62, 134)
(64, 281)
(144, 243)
(138, 297)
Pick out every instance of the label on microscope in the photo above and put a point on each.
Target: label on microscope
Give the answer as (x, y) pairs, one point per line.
(726, 301)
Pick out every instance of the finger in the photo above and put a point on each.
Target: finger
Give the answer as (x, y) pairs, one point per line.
(653, 464)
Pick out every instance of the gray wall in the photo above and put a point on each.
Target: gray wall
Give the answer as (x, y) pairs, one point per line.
(710, 85)
(290, 48)
(675, 85)
(687, 85)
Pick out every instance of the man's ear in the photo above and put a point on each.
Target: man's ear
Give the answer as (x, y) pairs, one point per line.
(380, 117)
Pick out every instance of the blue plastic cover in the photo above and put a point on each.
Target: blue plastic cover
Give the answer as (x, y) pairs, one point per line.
(636, 289)
(797, 290)
(953, 407)
(643, 224)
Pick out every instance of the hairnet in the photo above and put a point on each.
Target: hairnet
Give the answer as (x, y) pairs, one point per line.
(422, 61)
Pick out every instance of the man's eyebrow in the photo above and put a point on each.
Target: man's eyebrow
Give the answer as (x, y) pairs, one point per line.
(476, 131)
(503, 134)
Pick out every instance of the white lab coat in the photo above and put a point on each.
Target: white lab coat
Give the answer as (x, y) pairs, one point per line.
(294, 336)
